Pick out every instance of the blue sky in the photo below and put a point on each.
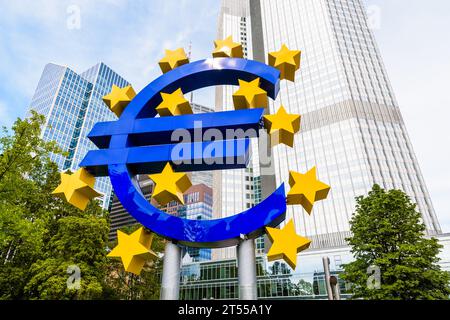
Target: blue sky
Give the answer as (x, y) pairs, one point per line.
(130, 36)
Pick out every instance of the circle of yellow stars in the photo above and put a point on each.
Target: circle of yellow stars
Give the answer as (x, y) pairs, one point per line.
(306, 189)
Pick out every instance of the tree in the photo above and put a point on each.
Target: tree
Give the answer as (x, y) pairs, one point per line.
(23, 155)
(79, 244)
(387, 232)
(46, 244)
(303, 288)
(41, 235)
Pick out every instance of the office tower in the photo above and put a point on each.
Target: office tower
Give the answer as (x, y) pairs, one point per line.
(72, 104)
(352, 128)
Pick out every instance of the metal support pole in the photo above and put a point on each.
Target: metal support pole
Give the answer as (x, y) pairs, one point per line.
(335, 288)
(247, 270)
(170, 284)
(326, 269)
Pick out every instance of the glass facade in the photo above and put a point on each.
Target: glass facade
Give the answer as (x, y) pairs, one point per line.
(218, 280)
(276, 280)
(72, 104)
(352, 128)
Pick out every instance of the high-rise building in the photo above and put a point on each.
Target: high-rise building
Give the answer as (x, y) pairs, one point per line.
(72, 103)
(352, 128)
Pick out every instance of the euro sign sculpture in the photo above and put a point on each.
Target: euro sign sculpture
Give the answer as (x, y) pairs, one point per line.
(140, 142)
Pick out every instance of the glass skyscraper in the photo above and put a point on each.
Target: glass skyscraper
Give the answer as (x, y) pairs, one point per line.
(72, 103)
(352, 128)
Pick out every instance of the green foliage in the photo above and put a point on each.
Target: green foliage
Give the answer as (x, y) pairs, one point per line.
(303, 288)
(42, 235)
(388, 233)
(22, 155)
(80, 242)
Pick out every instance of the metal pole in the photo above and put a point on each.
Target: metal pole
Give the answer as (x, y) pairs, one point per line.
(335, 288)
(326, 269)
(247, 270)
(170, 284)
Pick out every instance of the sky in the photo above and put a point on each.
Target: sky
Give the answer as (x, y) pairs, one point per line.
(130, 37)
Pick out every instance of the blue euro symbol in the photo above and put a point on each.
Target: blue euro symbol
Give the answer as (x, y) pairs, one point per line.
(139, 143)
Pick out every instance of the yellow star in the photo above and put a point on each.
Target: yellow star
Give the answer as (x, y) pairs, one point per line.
(134, 249)
(227, 49)
(173, 104)
(119, 98)
(282, 127)
(286, 244)
(170, 185)
(287, 61)
(173, 59)
(306, 189)
(77, 188)
(250, 95)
